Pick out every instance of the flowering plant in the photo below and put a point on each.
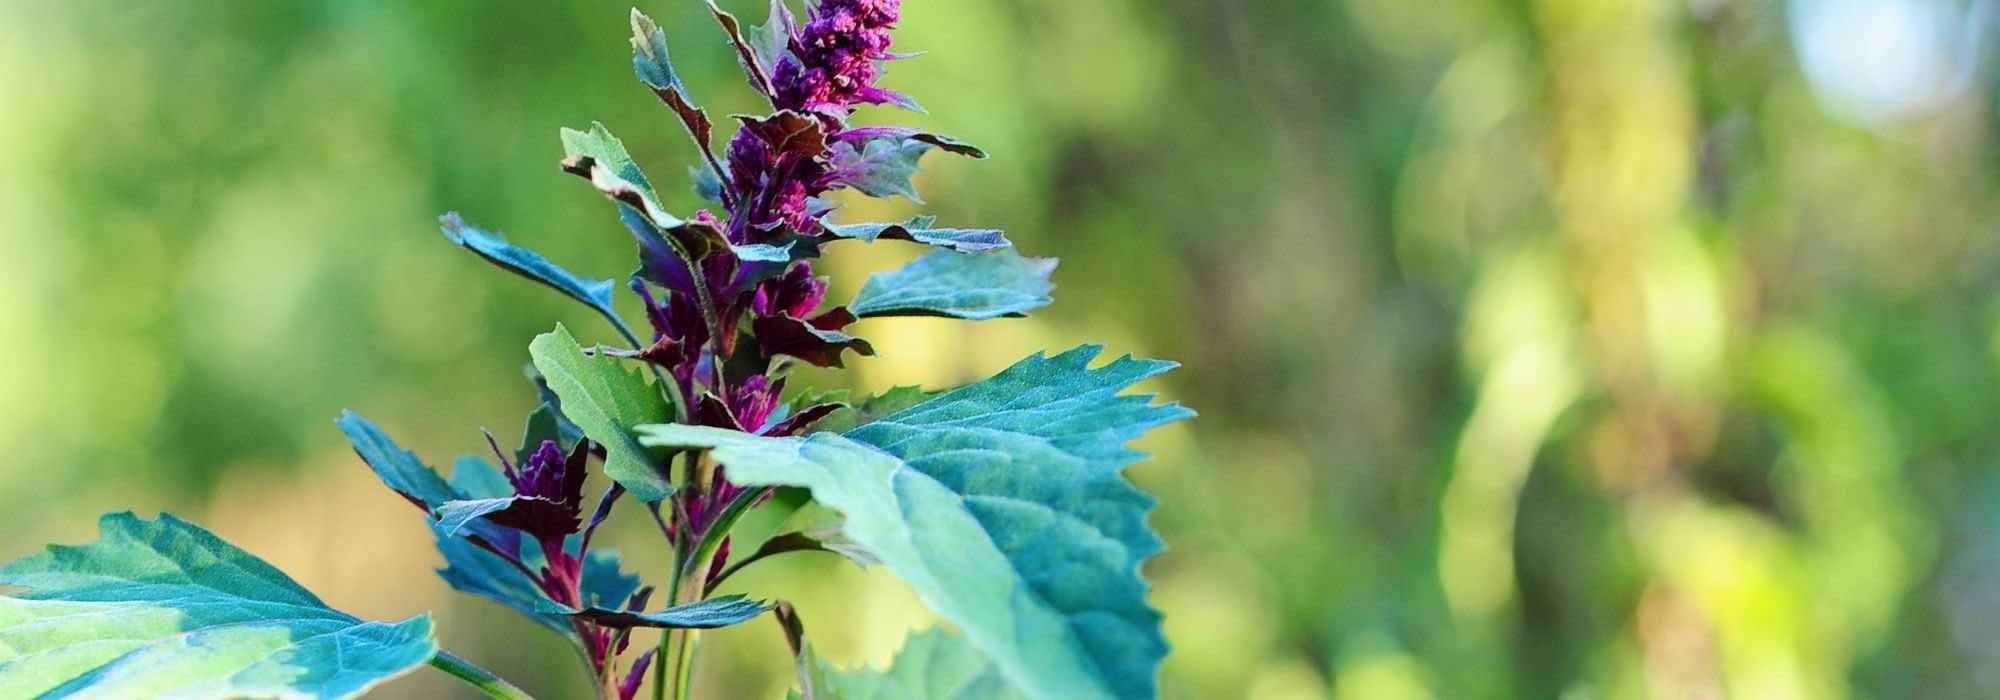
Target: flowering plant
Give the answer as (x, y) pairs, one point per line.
(999, 502)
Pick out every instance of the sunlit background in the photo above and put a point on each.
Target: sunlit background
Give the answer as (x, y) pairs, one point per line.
(1566, 348)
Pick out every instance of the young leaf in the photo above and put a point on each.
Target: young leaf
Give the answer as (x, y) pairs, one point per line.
(1002, 505)
(919, 229)
(606, 399)
(759, 77)
(931, 664)
(601, 158)
(529, 264)
(771, 41)
(975, 287)
(879, 168)
(163, 608)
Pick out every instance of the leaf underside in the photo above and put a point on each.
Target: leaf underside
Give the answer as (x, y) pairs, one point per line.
(975, 286)
(163, 608)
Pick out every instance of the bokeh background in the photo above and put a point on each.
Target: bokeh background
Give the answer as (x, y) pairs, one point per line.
(1565, 348)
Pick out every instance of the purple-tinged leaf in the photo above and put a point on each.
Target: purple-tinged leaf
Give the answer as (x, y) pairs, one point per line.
(651, 65)
(879, 168)
(863, 134)
(787, 132)
(759, 77)
(799, 422)
(975, 287)
(818, 341)
(920, 230)
(629, 689)
(720, 611)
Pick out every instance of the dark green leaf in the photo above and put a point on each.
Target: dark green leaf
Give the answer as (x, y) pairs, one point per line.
(527, 263)
(1001, 503)
(920, 230)
(163, 608)
(606, 398)
(975, 286)
(397, 467)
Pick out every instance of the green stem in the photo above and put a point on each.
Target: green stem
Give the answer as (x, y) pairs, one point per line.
(493, 686)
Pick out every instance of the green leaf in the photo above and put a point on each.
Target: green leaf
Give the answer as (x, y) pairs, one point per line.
(931, 664)
(771, 41)
(975, 287)
(606, 399)
(720, 611)
(1002, 505)
(527, 263)
(920, 230)
(544, 423)
(601, 158)
(874, 408)
(881, 167)
(164, 608)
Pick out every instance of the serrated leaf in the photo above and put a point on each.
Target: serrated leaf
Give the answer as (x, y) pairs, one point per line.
(809, 340)
(1002, 505)
(975, 286)
(163, 608)
(879, 168)
(920, 230)
(606, 399)
(595, 294)
(720, 611)
(874, 408)
(931, 664)
(601, 158)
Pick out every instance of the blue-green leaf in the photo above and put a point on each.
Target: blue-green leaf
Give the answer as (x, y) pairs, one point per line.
(163, 608)
(920, 230)
(1001, 503)
(595, 294)
(931, 665)
(606, 399)
(720, 611)
(398, 468)
(976, 286)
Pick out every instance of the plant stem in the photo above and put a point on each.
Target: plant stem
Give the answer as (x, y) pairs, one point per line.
(493, 686)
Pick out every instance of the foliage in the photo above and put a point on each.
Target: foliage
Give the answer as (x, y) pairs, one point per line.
(1001, 502)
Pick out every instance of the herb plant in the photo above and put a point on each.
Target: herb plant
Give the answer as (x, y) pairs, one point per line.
(999, 502)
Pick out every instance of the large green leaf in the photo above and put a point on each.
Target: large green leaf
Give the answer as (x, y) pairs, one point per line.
(606, 399)
(163, 608)
(976, 286)
(1002, 504)
(931, 665)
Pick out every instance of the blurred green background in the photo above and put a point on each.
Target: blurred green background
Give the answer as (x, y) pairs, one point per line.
(1565, 348)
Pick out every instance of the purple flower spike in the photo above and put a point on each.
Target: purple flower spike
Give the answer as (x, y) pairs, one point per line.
(836, 62)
